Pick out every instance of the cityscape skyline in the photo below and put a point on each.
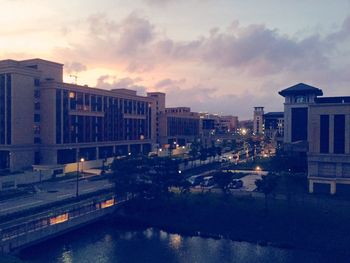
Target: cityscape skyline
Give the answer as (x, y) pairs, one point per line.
(224, 57)
(184, 130)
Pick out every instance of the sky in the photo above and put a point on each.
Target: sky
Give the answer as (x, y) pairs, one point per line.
(218, 56)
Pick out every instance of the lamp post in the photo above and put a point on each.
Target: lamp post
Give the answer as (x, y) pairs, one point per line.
(77, 181)
(82, 160)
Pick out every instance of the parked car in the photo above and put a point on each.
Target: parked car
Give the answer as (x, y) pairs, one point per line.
(195, 180)
(235, 184)
(208, 181)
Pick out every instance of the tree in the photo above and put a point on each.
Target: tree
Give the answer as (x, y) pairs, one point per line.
(125, 172)
(203, 154)
(195, 146)
(223, 180)
(218, 151)
(146, 177)
(233, 144)
(212, 152)
(267, 185)
(163, 175)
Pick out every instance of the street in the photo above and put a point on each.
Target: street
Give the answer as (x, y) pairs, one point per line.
(51, 192)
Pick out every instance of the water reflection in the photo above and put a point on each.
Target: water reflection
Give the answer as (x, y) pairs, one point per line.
(67, 257)
(175, 241)
(106, 244)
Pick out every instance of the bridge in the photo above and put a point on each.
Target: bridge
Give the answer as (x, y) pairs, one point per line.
(28, 230)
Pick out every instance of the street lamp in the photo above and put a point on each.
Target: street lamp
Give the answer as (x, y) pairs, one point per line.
(82, 160)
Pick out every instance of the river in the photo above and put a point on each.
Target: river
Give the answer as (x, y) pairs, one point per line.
(104, 243)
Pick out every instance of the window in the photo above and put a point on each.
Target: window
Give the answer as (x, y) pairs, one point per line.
(299, 124)
(300, 99)
(2, 109)
(36, 117)
(37, 82)
(87, 102)
(37, 106)
(80, 101)
(93, 103)
(8, 106)
(339, 133)
(324, 134)
(36, 129)
(36, 94)
(73, 102)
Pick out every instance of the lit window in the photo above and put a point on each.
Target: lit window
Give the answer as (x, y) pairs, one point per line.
(59, 219)
(107, 203)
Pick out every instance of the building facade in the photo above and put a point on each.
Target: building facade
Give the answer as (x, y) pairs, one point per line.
(274, 125)
(329, 145)
(179, 126)
(158, 107)
(298, 98)
(46, 121)
(258, 120)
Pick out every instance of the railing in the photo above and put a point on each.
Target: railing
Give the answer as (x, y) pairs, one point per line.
(49, 219)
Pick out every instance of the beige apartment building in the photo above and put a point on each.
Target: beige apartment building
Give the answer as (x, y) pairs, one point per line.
(329, 145)
(46, 121)
(179, 126)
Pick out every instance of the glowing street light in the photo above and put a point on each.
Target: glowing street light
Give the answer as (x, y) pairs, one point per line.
(82, 160)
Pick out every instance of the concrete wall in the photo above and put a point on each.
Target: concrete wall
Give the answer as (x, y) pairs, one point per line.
(24, 178)
(72, 167)
(48, 116)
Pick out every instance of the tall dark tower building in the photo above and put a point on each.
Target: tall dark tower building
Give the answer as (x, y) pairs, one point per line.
(296, 111)
(258, 122)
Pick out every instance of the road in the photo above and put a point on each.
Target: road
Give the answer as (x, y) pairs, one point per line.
(52, 192)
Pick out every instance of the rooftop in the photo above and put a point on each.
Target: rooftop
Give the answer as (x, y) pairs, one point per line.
(301, 88)
(338, 100)
(274, 114)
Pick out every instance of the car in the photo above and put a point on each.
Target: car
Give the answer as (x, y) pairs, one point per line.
(235, 184)
(208, 181)
(195, 180)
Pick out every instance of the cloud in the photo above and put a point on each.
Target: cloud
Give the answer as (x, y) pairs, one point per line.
(253, 49)
(163, 3)
(74, 67)
(107, 41)
(224, 69)
(112, 82)
(166, 83)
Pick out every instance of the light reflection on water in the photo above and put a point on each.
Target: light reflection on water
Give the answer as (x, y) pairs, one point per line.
(106, 244)
(175, 241)
(67, 257)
